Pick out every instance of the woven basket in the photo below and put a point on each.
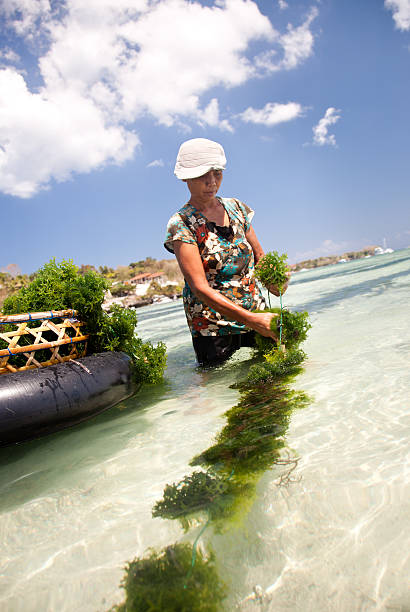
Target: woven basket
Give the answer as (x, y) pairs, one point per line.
(39, 339)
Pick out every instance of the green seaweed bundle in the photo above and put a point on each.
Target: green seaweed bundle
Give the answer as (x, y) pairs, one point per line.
(272, 269)
(276, 365)
(166, 581)
(215, 494)
(60, 286)
(194, 493)
(295, 326)
(117, 333)
(253, 437)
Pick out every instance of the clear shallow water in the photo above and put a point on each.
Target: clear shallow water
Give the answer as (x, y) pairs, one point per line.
(75, 507)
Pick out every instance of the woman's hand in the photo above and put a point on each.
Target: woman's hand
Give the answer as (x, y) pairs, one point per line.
(275, 289)
(261, 321)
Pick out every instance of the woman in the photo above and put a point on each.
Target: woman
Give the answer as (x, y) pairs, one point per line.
(216, 248)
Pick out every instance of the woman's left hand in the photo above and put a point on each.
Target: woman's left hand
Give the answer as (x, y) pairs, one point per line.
(274, 288)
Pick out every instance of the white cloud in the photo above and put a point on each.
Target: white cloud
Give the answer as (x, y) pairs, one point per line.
(321, 134)
(282, 5)
(9, 56)
(294, 47)
(26, 16)
(174, 66)
(106, 63)
(272, 114)
(210, 116)
(298, 42)
(43, 138)
(157, 163)
(401, 13)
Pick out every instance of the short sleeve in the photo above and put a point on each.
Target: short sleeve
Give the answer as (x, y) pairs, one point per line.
(177, 230)
(243, 213)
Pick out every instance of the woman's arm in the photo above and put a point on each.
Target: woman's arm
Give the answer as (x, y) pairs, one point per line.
(190, 262)
(255, 244)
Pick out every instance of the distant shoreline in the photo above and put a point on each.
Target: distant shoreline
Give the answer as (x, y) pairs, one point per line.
(310, 264)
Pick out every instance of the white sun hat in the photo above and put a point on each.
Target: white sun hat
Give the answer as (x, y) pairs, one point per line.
(197, 156)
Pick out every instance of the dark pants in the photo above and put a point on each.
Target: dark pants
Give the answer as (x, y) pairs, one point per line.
(212, 350)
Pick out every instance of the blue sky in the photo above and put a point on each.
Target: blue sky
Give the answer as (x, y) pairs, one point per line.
(310, 100)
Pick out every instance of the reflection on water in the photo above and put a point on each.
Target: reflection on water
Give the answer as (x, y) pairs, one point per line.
(75, 507)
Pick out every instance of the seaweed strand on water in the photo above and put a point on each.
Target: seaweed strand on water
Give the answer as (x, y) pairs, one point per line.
(224, 489)
(254, 435)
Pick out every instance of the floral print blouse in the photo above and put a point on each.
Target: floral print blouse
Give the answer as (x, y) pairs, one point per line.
(228, 262)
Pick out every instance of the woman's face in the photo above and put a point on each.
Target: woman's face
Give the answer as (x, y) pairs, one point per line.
(205, 187)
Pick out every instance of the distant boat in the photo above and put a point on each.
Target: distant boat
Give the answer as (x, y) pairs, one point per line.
(384, 250)
(380, 251)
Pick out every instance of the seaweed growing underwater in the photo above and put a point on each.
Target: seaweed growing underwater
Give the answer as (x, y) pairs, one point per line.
(208, 493)
(160, 583)
(221, 494)
(250, 443)
(253, 437)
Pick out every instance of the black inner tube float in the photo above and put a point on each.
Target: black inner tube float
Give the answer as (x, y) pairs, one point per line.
(38, 402)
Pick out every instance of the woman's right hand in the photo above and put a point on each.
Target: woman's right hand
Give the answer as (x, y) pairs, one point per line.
(261, 321)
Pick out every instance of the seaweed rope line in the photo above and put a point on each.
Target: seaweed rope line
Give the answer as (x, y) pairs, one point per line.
(281, 317)
(195, 544)
(194, 550)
